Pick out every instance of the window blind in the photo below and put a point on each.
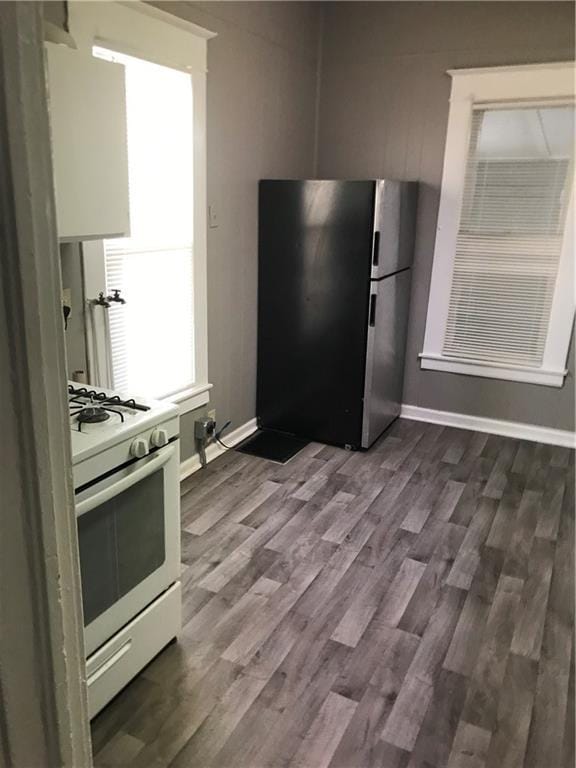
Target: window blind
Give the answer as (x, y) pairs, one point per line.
(516, 192)
(152, 335)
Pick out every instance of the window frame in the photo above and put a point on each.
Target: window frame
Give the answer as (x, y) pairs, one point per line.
(551, 84)
(132, 28)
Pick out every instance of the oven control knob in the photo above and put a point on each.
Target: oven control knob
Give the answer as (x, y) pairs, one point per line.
(159, 438)
(139, 448)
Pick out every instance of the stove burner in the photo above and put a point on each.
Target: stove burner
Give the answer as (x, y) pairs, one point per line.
(92, 415)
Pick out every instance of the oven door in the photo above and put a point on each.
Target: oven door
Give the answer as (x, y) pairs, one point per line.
(129, 541)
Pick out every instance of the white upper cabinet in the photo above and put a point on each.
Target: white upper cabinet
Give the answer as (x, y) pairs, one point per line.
(87, 102)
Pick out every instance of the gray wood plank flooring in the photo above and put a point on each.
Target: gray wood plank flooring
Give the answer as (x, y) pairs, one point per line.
(407, 607)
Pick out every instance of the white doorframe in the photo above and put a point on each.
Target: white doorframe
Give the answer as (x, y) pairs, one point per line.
(43, 708)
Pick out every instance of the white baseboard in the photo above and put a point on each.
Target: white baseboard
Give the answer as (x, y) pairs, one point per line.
(494, 426)
(459, 420)
(191, 465)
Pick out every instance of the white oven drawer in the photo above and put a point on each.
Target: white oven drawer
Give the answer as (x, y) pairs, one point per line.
(113, 665)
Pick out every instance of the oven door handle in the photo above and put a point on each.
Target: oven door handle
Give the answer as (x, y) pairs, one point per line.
(161, 458)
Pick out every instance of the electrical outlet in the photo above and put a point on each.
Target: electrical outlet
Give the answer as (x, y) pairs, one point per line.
(204, 429)
(212, 217)
(212, 414)
(66, 306)
(201, 427)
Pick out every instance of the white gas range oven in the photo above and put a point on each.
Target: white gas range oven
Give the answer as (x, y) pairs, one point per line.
(126, 478)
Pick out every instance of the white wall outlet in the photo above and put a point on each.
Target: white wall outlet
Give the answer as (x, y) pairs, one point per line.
(66, 297)
(212, 217)
(212, 414)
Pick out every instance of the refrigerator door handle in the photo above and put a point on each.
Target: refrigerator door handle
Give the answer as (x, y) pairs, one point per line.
(372, 316)
(376, 249)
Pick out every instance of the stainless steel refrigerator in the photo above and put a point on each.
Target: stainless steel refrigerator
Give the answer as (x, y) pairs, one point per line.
(334, 273)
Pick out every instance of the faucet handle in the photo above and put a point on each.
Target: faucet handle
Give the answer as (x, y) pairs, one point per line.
(116, 296)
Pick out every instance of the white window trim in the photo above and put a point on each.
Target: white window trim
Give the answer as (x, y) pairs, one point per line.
(470, 88)
(190, 399)
(132, 28)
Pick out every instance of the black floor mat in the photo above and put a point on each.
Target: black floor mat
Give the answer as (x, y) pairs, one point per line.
(274, 446)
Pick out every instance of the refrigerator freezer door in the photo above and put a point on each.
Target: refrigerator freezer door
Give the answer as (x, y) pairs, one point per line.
(313, 288)
(394, 226)
(387, 324)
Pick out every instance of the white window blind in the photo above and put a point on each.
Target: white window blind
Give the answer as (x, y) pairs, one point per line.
(152, 335)
(516, 193)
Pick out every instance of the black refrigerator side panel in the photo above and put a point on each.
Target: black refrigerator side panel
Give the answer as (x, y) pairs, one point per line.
(315, 245)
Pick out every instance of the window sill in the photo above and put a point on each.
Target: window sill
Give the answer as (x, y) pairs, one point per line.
(543, 376)
(190, 399)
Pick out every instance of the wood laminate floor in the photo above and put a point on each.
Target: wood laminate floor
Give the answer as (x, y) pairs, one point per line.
(407, 607)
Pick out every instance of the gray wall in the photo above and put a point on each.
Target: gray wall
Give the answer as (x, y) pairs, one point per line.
(383, 112)
(262, 70)
(54, 11)
(71, 273)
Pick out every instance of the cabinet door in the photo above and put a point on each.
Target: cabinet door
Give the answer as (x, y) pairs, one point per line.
(87, 100)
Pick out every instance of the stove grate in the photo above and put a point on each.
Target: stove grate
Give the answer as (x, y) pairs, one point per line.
(89, 405)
